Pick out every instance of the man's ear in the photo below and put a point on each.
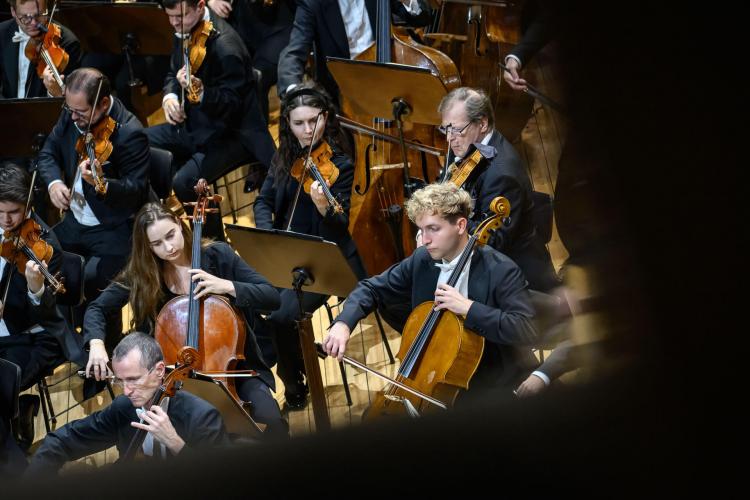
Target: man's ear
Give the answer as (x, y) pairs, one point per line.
(462, 224)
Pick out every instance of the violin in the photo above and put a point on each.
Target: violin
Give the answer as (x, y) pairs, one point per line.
(321, 168)
(44, 51)
(438, 355)
(458, 174)
(25, 243)
(194, 54)
(95, 145)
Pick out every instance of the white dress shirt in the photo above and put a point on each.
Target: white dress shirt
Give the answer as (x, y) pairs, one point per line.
(23, 62)
(446, 269)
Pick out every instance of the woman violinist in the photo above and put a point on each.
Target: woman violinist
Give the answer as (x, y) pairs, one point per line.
(24, 35)
(305, 111)
(159, 270)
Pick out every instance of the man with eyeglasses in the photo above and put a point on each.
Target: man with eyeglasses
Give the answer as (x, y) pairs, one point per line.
(468, 120)
(18, 77)
(95, 225)
(184, 422)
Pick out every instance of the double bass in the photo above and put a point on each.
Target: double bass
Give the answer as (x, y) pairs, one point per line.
(212, 328)
(438, 355)
(382, 180)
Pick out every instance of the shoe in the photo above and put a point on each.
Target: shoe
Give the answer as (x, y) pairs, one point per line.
(298, 399)
(28, 409)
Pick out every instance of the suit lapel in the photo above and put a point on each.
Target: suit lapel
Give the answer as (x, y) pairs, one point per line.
(10, 58)
(479, 282)
(332, 17)
(425, 280)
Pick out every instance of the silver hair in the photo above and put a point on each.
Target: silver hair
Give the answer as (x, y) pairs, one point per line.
(476, 102)
(147, 345)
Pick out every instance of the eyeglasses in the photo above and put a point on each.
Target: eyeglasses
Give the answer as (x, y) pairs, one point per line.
(135, 384)
(450, 129)
(71, 111)
(28, 18)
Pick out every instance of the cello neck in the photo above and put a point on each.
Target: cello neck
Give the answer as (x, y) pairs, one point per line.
(383, 31)
(194, 305)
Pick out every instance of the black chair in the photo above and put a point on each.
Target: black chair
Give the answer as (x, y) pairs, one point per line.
(161, 173)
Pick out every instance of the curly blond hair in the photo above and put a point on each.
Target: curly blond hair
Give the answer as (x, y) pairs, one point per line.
(445, 200)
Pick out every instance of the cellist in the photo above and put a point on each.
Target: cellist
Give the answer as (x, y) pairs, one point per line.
(18, 77)
(187, 423)
(159, 270)
(491, 293)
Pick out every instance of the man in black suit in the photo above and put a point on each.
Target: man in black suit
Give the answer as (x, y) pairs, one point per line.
(96, 225)
(265, 29)
(337, 33)
(224, 127)
(491, 296)
(468, 119)
(18, 77)
(33, 333)
(187, 423)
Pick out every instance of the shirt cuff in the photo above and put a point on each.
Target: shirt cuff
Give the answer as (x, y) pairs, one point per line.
(542, 376)
(515, 58)
(51, 183)
(36, 298)
(169, 96)
(413, 8)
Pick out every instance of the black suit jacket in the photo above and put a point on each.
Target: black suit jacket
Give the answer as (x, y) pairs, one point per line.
(254, 295)
(198, 423)
(20, 313)
(274, 201)
(9, 61)
(257, 24)
(126, 170)
(501, 313)
(319, 22)
(504, 176)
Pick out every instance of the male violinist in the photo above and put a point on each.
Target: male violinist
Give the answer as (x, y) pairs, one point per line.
(96, 225)
(490, 295)
(33, 333)
(221, 127)
(185, 422)
(468, 119)
(18, 76)
(337, 28)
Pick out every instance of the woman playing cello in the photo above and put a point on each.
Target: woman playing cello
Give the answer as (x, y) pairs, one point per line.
(159, 270)
(308, 121)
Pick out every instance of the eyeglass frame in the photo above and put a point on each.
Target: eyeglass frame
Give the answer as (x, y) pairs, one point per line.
(453, 130)
(26, 19)
(136, 384)
(72, 111)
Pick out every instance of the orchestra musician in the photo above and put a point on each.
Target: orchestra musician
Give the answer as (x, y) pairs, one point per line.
(468, 118)
(18, 76)
(33, 333)
(304, 109)
(159, 270)
(188, 424)
(491, 293)
(96, 225)
(337, 28)
(224, 127)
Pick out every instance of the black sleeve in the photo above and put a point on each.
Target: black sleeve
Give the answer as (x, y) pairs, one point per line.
(251, 288)
(509, 322)
(393, 286)
(294, 57)
(113, 298)
(78, 439)
(133, 162)
(560, 361)
(537, 35)
(73, 47)
(50, 159)
(171, 86)
(224, 96)
(264, 204)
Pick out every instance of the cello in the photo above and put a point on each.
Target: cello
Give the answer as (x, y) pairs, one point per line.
(211, 327)
(382, 177)
(438, 355)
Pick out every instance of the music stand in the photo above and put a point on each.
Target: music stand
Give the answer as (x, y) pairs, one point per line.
(296, 261)
(30, 121)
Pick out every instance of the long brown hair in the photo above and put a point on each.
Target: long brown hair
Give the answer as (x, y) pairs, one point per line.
(144, 273)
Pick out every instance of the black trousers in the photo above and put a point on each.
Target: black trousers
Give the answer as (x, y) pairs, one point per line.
(290, 366)
(264, 408)
(34, 353)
